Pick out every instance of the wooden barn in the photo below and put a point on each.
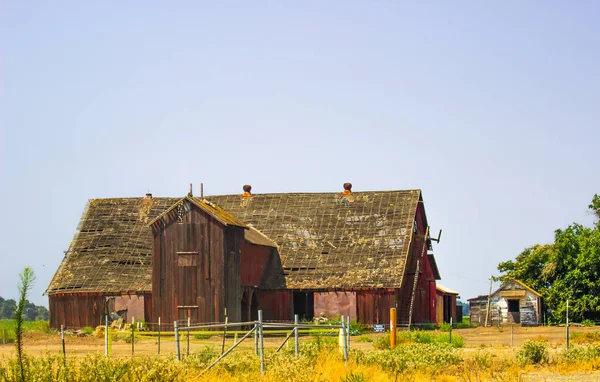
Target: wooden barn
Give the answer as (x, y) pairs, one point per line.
(352, 253)
(207, 262)
(513, 303)
(107, 267)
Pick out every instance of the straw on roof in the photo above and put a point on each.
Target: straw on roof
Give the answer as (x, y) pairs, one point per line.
(330, 240)
(326, 240)
(112, 248)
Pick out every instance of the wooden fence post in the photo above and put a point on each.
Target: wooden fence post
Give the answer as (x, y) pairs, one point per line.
(392, 327)
(106, 335)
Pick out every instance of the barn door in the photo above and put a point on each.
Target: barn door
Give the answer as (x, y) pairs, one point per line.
(187, 288)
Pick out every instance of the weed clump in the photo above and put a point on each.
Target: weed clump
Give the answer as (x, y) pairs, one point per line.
(428, 357)
(533, 352)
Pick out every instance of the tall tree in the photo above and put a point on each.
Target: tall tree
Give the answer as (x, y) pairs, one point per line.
(568, 269)
(8, 308)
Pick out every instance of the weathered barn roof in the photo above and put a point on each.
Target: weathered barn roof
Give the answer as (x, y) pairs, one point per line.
(331, 240)
(509, 283)
(112, 248)
(215, 211)
(443, 289)
(326, 240)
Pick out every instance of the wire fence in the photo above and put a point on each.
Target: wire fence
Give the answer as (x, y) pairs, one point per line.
(181, 339)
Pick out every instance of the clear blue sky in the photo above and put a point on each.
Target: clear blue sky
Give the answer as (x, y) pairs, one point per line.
(491, 108)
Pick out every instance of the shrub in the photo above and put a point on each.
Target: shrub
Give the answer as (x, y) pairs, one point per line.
(88, 330)
(203, 336)
(125, 337)
(382, 343)
(580, 353)
(533, 352)
(588, 322)
(445, 327)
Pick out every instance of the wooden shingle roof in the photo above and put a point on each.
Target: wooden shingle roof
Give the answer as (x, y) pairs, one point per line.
(326, 240)
(112, 248)
(331, 240)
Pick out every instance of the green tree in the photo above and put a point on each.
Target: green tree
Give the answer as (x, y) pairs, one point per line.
(30, 311)
(42, 314)
(567, 269)
(8, 308)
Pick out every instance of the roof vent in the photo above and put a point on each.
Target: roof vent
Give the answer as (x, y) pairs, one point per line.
(148, 195)
(347, 188)
(247, 190)
(190, 194)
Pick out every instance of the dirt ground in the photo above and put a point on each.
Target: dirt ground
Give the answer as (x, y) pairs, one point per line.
(496, 340)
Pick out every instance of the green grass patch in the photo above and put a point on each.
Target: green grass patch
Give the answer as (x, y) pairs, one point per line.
(420, 337)
(7, 328)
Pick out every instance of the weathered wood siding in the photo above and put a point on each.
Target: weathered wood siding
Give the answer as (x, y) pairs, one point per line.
(529, 305)
(477, 309)
(373, 307)
(195, 268)
(76, 310)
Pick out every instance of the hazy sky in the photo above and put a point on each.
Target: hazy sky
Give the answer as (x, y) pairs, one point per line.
(491, 108)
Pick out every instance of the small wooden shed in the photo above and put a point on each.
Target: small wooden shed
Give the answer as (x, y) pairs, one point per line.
(446, 305)
(513, 303)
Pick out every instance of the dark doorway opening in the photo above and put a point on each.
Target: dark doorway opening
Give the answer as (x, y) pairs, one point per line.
(304, 305)
(513, 311)
(250, 305)
(447, 308)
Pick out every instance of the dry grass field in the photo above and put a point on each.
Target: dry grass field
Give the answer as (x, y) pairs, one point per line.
(487, 355)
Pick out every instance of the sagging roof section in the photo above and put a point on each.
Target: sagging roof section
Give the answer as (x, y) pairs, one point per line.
(112, 248)
(331, 240)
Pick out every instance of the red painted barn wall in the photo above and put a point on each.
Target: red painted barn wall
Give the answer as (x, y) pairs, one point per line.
(276, 305)
(334, 304)
(424, 299)
(373, 307)
(253, 263)
(76, 310)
